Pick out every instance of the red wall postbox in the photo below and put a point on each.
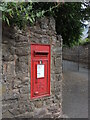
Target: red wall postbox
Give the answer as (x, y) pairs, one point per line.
(40, 70)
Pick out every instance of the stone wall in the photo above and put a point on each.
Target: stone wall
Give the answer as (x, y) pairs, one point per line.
(16, 60)
(77, 54)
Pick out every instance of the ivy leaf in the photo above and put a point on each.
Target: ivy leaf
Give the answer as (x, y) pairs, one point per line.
(39, 14)
(3, 17)
(50, 9)
(30, 19)
(7, 21)
(2, 8)
(8, 10)
(43, 12)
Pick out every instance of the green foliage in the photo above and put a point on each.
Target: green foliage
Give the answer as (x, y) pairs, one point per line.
(18, 14)
(24, 13)
(68, 16)
(85, 41)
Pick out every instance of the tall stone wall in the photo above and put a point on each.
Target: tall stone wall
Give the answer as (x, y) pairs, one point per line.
(16, 58)
(78, 54)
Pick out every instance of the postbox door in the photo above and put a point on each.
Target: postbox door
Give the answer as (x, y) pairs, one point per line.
(40, 78)
(40, 70)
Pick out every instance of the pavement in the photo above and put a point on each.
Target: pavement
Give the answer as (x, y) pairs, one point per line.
(75, 93)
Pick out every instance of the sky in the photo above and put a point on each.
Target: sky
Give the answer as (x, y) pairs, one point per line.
(85, 32)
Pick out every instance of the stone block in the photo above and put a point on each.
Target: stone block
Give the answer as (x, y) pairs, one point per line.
(58, 62)
(48, 115)
(53, 77)
(7, 114)
(57, 51)
(39, 112)
(21, 67)
(11, 68)
(25, 115)
(44, 40)
(4, 68)
(22, 52)
(21, 76)
(4, 88)
(48, 101)
(50, 32)
(59, 44)
(58, 96)
(25, 81)
(23, 59)
(38, 104)
(53, 88)
(53, 108)
(16, 84)
(44, 23)
(21, 38)
(8, 52)
(8, 106)
(54, 39)
(52, 63)
(58, 70)
(15, 111)
(24, 97)
(24, 90)
(58, 84)
(56, 115)
(8, 78)
(22, 44)
(59, 77)
(10, 96)
(52, 23)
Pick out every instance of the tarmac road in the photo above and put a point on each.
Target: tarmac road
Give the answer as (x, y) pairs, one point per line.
(75, 93)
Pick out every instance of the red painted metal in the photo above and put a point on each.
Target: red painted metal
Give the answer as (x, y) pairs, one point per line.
(40, 55)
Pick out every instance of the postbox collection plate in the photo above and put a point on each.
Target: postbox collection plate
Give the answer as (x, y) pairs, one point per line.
(40, 70)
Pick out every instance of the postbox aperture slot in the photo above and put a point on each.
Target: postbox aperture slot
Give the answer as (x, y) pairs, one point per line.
(43, 53)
